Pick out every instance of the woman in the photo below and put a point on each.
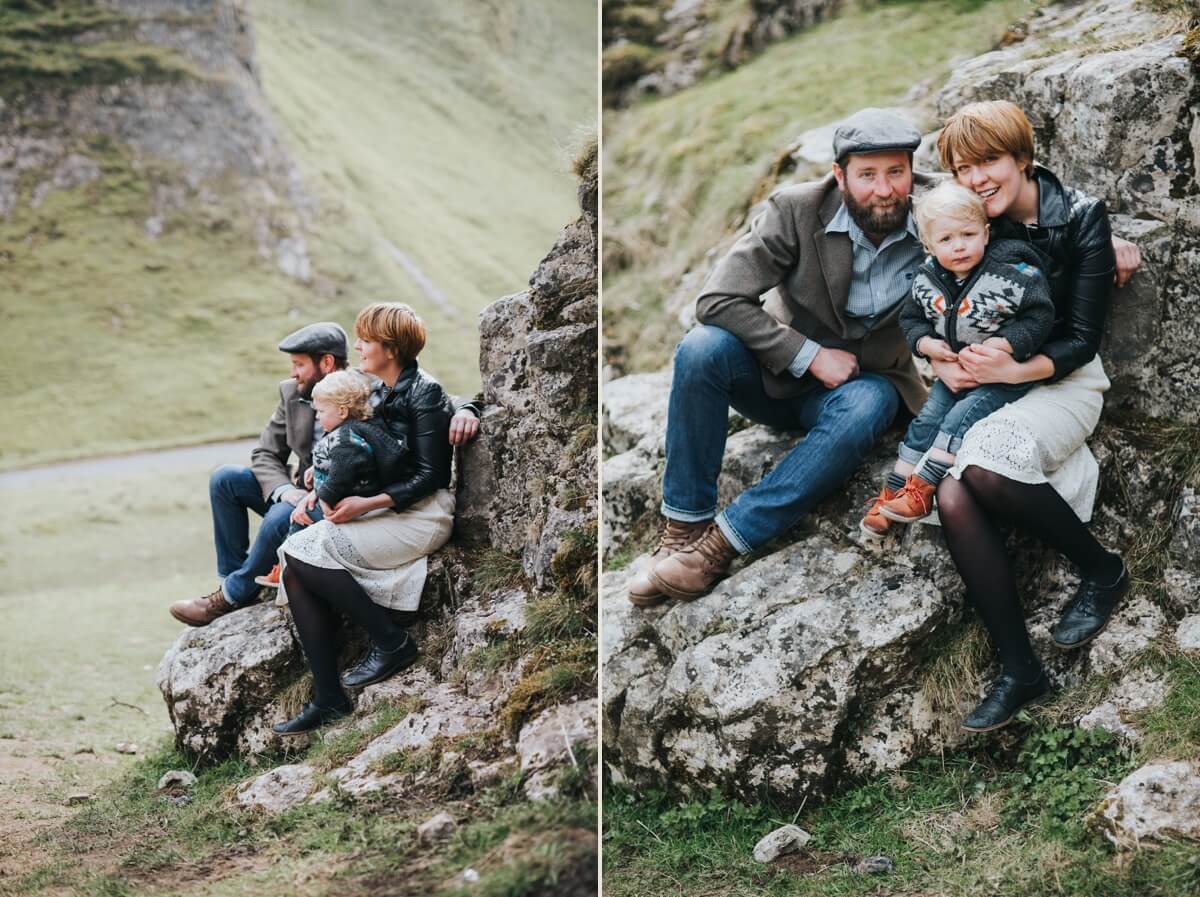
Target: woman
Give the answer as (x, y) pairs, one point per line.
(1028, 464)
(367, 557)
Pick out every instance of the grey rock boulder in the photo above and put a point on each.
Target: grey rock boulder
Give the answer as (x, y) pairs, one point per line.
(1160, 801)
(785, 839)
(217, 679)
(279, 789)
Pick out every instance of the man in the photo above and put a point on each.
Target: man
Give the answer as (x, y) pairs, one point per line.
(268, 487)
(822, 352)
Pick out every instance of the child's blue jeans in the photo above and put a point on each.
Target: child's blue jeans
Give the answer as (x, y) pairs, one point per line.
(946, 416)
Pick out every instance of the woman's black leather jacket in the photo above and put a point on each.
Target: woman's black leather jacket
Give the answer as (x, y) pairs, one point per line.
(1073, 236)
(417, 411)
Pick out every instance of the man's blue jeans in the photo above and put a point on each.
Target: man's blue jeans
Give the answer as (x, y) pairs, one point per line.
(714, 370)
(231, 491)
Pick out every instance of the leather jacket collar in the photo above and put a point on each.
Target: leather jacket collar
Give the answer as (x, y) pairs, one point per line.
(1053, 208)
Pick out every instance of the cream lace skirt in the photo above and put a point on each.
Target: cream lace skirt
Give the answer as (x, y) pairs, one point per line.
(1042, 438)
(384, 551)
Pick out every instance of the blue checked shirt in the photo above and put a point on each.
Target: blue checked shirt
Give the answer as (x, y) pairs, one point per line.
(881, 276)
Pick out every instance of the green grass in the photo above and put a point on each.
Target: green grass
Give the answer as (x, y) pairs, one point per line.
(1006, 816)
(457, 151)
(679, 171)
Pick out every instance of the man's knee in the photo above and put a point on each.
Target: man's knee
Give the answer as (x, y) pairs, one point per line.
(226, 478)
(865, 406)
(704, 349)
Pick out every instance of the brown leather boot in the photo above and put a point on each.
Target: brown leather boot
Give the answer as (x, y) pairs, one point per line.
(676, 536)
(874, 523)
(201, 611)
(911, 503)
(688, 574)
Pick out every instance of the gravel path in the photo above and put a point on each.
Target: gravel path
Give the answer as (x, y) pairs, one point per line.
(214, 453)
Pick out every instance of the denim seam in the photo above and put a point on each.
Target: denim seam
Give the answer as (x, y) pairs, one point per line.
(731, 534)
(908, 454)
(944, 441)
(687, 516)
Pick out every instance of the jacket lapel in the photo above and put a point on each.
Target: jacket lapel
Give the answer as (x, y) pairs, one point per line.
(836, 258)
(300, 425)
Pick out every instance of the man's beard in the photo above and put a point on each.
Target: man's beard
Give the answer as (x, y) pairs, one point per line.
(304, 388)
(877, 221)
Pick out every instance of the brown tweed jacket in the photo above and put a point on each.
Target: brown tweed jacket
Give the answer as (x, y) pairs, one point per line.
(288, 432)
(787, 280)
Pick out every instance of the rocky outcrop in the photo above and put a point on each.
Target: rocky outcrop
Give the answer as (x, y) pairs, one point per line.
(657, 48)
(168, 89)
(1159, 802)
(474, 712)
(705, 695)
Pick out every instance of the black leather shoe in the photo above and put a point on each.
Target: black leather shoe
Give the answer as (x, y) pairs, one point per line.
(1005, 699)
(311, 717)
(379, 664)
(1089, 611)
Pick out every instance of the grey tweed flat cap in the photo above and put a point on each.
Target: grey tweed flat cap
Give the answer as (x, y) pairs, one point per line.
(324, 338)
(874, 131)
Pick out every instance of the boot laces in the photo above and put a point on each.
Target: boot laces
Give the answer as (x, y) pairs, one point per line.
(712, 546)
(911, 488)
(675, 536)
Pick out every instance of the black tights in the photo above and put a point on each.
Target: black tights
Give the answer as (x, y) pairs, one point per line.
(970, 510)
(314, 594)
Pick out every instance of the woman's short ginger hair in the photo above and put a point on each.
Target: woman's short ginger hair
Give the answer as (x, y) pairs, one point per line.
(979, 130)
(948, 200)
(346, 389)
(396, 326)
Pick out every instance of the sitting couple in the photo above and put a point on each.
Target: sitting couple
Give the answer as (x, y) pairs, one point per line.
(1008, 308)
(376, 454)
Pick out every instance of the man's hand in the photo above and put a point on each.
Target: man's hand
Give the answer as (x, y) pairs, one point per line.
(293, 496)
(998, 342)
(308, 479)
(935, 349)
(300, 513)
(1129, 259)
(463, 427)
(952, 374)
(833, 367)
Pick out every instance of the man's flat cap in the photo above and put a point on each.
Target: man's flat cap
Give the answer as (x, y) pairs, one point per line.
(324, 338)
(874, 131)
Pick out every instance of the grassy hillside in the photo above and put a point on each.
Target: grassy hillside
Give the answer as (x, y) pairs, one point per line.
(678, 171)
(447, 137)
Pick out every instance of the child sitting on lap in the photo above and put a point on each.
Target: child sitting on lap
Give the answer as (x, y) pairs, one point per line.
(967, 292)
(356, 456)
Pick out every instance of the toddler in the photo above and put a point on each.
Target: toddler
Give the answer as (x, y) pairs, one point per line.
(356, 456)
(966, 292)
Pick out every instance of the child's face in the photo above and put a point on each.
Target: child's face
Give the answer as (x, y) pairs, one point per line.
(329, 416)
(958, 243)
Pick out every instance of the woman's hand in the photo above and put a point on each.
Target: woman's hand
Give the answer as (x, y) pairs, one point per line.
(308, 479)
(1129, 259)
(463, 427)
(989, 364)
(1000, 343)
(353, 506)
(953, 375)
(300, 512)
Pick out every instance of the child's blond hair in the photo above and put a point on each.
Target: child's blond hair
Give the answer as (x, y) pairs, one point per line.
(346, 389)
(947, 200)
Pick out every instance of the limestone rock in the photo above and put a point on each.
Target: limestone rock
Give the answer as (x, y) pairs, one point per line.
(635, 412)
(280, 789)
(549, 738)
(755, 684)
(216, 678)
(1133, 627)
(785, 839)
(436, 828)
(1160, 801)
(1187, 634)
(177, 778)
(1139, 691)
(484, 621)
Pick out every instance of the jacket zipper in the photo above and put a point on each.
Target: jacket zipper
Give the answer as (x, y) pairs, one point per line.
(952, 313)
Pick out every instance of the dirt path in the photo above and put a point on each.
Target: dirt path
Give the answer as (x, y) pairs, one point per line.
(235, 452)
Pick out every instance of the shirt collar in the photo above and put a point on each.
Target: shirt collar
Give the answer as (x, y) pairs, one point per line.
(843, 223)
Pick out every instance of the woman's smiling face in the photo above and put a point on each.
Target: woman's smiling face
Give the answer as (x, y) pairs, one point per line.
(997, 179)
(374, 357)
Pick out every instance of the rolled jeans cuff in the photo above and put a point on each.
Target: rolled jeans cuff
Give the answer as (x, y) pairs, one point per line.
(731, 535)
(948, 443)
(909, 455)
(687, 516)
